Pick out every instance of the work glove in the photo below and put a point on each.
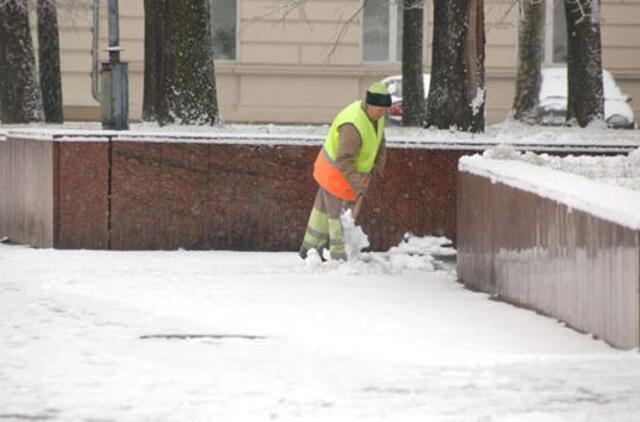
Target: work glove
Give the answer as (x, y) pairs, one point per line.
(365, 180)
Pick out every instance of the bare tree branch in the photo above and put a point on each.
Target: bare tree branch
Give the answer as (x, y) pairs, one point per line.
(344, 27)
(286, 8)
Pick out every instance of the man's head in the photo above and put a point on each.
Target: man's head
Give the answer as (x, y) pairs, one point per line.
(377, 101)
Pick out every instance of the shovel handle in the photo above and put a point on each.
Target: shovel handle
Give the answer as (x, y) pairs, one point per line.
(357, 206)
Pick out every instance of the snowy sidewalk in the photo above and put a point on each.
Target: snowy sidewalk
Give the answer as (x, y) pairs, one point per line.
(276, 339)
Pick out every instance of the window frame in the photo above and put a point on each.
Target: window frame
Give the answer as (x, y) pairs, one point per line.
(236, 35)
(549, 34)
(393, 32)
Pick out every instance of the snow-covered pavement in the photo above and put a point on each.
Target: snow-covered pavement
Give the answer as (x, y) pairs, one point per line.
(84, 337)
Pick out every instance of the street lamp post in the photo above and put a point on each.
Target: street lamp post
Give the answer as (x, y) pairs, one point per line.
(114, 86)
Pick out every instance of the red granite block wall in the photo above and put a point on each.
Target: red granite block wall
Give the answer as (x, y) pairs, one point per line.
(81, 194)
(394, 204)
(184, 181)
(416, 195)
(286, 192)
(209, 196)
(165, 194)
(232, 200)
(136, 201)
(440, 201)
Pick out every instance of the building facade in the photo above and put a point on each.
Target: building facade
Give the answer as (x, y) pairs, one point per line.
(299, 63)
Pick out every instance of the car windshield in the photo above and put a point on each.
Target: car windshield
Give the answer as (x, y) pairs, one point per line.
(554, 84)
(394, 85)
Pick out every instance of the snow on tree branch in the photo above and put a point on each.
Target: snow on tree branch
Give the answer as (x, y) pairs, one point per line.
(19, 3)
(581, 7)
(411, 4)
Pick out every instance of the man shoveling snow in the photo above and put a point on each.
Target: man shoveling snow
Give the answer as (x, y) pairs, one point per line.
(353, 151)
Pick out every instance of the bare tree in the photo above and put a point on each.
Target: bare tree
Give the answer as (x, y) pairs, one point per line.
(153, 39)
(585, 103)
(457, 89)
(180, 83)
(413, 103)
(20, 98)
(529, 77)
(49, 61)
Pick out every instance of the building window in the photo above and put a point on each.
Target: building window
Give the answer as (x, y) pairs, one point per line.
(382, 31)
(555, 45)
(224, 20)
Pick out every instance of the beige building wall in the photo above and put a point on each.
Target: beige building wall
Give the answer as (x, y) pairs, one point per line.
(302, 65)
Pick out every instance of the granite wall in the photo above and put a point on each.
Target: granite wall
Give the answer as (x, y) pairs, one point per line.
(541, 254)
(168, 194)
(26, 192)
(81, 186)
(257, 197)
(148, 192)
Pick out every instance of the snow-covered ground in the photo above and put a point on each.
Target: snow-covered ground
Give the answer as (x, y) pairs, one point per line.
(237, 336)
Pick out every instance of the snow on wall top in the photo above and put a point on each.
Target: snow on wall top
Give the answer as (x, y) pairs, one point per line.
(618, 170)
(611, 203)
(522, 137)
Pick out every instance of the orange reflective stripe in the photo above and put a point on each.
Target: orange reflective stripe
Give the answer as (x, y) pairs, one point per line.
(329, 177)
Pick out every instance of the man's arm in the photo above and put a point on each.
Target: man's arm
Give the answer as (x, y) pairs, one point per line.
(348, 147)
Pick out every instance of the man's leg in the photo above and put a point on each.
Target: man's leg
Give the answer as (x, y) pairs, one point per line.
(334, 208)
(324, 227)
(317, 234)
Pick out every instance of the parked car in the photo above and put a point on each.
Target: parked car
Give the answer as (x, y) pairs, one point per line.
(553, 100)
(394, 85)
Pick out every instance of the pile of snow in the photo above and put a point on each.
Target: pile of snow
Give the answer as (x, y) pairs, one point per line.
(426, 254)
(355, 239)
(619, 170)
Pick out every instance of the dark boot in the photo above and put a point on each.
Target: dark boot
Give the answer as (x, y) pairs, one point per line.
(303, 253)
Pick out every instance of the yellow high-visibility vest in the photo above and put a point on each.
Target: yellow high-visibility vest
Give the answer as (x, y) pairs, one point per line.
(371, 137)
(325, 171)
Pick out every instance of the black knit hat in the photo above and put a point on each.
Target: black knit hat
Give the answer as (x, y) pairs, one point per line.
(378, 95)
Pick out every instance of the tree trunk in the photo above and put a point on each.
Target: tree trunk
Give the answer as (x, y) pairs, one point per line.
(584, 62)
(180, 83)
(529, 78)
(413, 103)
(457, 93)
(153, 39)
(20, 98)
(49, 61)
